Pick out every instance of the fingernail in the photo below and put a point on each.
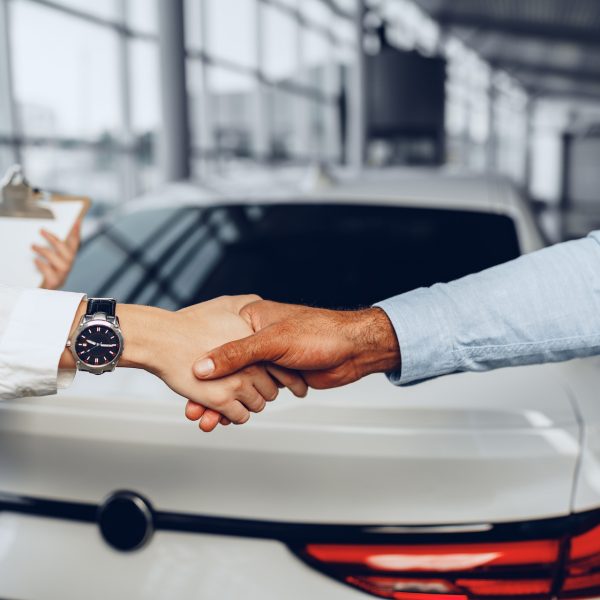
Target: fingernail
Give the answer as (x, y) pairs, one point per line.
(204, 367)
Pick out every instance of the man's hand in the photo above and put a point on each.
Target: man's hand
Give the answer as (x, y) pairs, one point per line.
(329, 348)
(55, 261)
(167, 343)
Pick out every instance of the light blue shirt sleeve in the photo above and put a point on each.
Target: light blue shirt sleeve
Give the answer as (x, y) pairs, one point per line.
(541, 307)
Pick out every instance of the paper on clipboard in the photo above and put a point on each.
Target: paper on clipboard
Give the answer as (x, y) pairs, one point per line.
(17, 234)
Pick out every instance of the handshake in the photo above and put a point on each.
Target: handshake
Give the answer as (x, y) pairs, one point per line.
(230, 356)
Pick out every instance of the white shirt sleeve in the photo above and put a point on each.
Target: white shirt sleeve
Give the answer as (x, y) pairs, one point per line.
(34, 327)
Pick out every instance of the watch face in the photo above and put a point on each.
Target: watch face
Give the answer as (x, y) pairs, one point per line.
(97, 345)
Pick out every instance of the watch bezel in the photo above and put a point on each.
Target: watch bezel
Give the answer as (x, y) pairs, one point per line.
(86, 322)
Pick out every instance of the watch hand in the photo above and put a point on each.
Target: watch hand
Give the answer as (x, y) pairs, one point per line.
(90, 342)
(108, 345)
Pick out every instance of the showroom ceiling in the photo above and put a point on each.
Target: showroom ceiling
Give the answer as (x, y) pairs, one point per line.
(551, 46)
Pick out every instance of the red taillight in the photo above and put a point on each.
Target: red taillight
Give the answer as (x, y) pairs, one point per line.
(582, 577)
(563, 567)
(441, 558)
(444, 571)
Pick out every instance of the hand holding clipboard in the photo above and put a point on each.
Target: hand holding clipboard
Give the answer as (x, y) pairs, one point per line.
(24, 260)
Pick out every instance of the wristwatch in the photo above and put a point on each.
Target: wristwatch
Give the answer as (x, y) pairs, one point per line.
(97, 343)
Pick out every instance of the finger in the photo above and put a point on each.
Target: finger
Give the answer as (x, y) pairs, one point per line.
(58, 245)
(194, 411)
(264, 385)
(48, 275)
(52, 257)
(251, 397)
(235, 411)
(209, 420)
(74, 238)
(264, 346)
(225, 421)
(289, 379)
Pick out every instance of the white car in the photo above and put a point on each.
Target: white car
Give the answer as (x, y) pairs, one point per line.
(467, 486)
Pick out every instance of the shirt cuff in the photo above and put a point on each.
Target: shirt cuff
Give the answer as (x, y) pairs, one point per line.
(424, 336)
(34, 341)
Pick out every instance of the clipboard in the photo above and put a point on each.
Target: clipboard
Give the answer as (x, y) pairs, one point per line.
(23, 212)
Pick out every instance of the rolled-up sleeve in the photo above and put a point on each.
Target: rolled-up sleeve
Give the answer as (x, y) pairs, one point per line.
(34, 327)
(541, 307)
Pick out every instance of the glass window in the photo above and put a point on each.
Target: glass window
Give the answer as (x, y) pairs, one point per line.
(333, 255)
(145, 87)
(281, 111)
(289, 3)
(345, 30)
(65, 74)
(350, 6)
(316, 11)
(289, 125)
(7, 158)
(197, 104)
(281, 47)
(318, 127)
(317, 59)
(142, 15)
(194, 38)
(231, 28)
(107, 9)
(95, 173)
(232, 98)
(145, 112)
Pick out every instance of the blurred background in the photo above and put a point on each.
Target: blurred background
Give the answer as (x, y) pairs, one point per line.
(113, 98)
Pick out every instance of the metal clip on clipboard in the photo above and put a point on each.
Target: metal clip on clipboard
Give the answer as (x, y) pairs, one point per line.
(18, 197)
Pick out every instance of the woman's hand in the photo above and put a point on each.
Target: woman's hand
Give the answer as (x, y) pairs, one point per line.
(55, 262)
(167, 343)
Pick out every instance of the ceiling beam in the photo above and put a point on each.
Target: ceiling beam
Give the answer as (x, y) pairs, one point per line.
(544, 92)
(518, 67)
(516, 27)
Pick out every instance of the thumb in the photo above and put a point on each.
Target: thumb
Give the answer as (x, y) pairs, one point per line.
(236, 355)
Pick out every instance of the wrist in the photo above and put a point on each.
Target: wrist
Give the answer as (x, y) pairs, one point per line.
(144, 328)
(375, 341)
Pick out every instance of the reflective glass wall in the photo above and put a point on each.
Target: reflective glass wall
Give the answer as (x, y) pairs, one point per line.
(80, 97)
(265, 80)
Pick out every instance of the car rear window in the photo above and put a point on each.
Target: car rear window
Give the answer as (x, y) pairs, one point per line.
(323, 255)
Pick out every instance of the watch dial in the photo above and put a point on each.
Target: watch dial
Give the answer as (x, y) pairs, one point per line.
(97, 345)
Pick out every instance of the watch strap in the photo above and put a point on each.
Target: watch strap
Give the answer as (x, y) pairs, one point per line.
(108, 306)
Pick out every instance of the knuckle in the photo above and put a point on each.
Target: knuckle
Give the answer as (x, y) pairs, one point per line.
(220, 400)
(244, 419)
(237, 384)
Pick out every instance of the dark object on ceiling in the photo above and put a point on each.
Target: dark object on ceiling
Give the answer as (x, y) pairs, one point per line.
(406, 100)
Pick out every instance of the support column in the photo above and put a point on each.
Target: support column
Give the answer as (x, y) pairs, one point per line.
(356, 100)
(529, 134)
(491, 149)
(175, 134)
(8, 110)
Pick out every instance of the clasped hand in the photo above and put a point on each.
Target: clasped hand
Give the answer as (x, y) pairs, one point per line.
(274, 345)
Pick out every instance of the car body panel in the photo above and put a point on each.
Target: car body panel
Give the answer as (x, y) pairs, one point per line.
(69, 561)
(493, 447)
(585, 392)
